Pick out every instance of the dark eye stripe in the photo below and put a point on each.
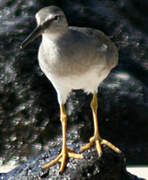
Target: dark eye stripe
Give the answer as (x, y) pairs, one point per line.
(49, 21)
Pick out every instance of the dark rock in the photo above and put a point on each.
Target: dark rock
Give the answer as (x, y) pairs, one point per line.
(110, 166)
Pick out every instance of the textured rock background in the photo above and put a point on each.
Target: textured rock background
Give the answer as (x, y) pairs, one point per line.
(29, 112)
(111, 166)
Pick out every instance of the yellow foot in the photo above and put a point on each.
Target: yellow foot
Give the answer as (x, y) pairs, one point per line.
(95, 140)
(68, 153)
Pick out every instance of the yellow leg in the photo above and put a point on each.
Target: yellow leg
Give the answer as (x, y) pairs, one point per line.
(96, 139)
(65, 153)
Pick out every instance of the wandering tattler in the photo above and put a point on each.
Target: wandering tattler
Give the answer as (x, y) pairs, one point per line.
(73, 58)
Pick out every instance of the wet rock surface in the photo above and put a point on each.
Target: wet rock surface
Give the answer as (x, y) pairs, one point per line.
(110, 166)
(29, 110)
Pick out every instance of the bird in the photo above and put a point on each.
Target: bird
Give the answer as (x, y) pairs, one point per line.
(73, 58)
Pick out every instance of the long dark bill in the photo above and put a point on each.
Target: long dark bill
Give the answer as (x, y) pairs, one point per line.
(36, 32)
(32, 36)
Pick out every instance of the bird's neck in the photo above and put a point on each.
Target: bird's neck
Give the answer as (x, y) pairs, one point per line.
(54, 36)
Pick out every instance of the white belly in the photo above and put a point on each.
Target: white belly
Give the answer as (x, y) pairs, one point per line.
(88, 82)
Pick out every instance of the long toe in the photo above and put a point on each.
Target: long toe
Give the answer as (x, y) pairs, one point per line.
(110, 145)
(61, 158)
(63, 162)
(93, 141)
(98, 142)
(98, 147)
(53, 162)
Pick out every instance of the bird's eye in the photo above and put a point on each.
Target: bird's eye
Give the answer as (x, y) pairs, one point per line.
(56, 17)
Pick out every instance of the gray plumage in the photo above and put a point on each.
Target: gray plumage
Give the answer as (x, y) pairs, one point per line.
(73, 57)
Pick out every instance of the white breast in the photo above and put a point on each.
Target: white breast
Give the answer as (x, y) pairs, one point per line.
(88, 82)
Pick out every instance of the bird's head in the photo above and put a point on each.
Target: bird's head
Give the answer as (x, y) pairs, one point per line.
(50, 20)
